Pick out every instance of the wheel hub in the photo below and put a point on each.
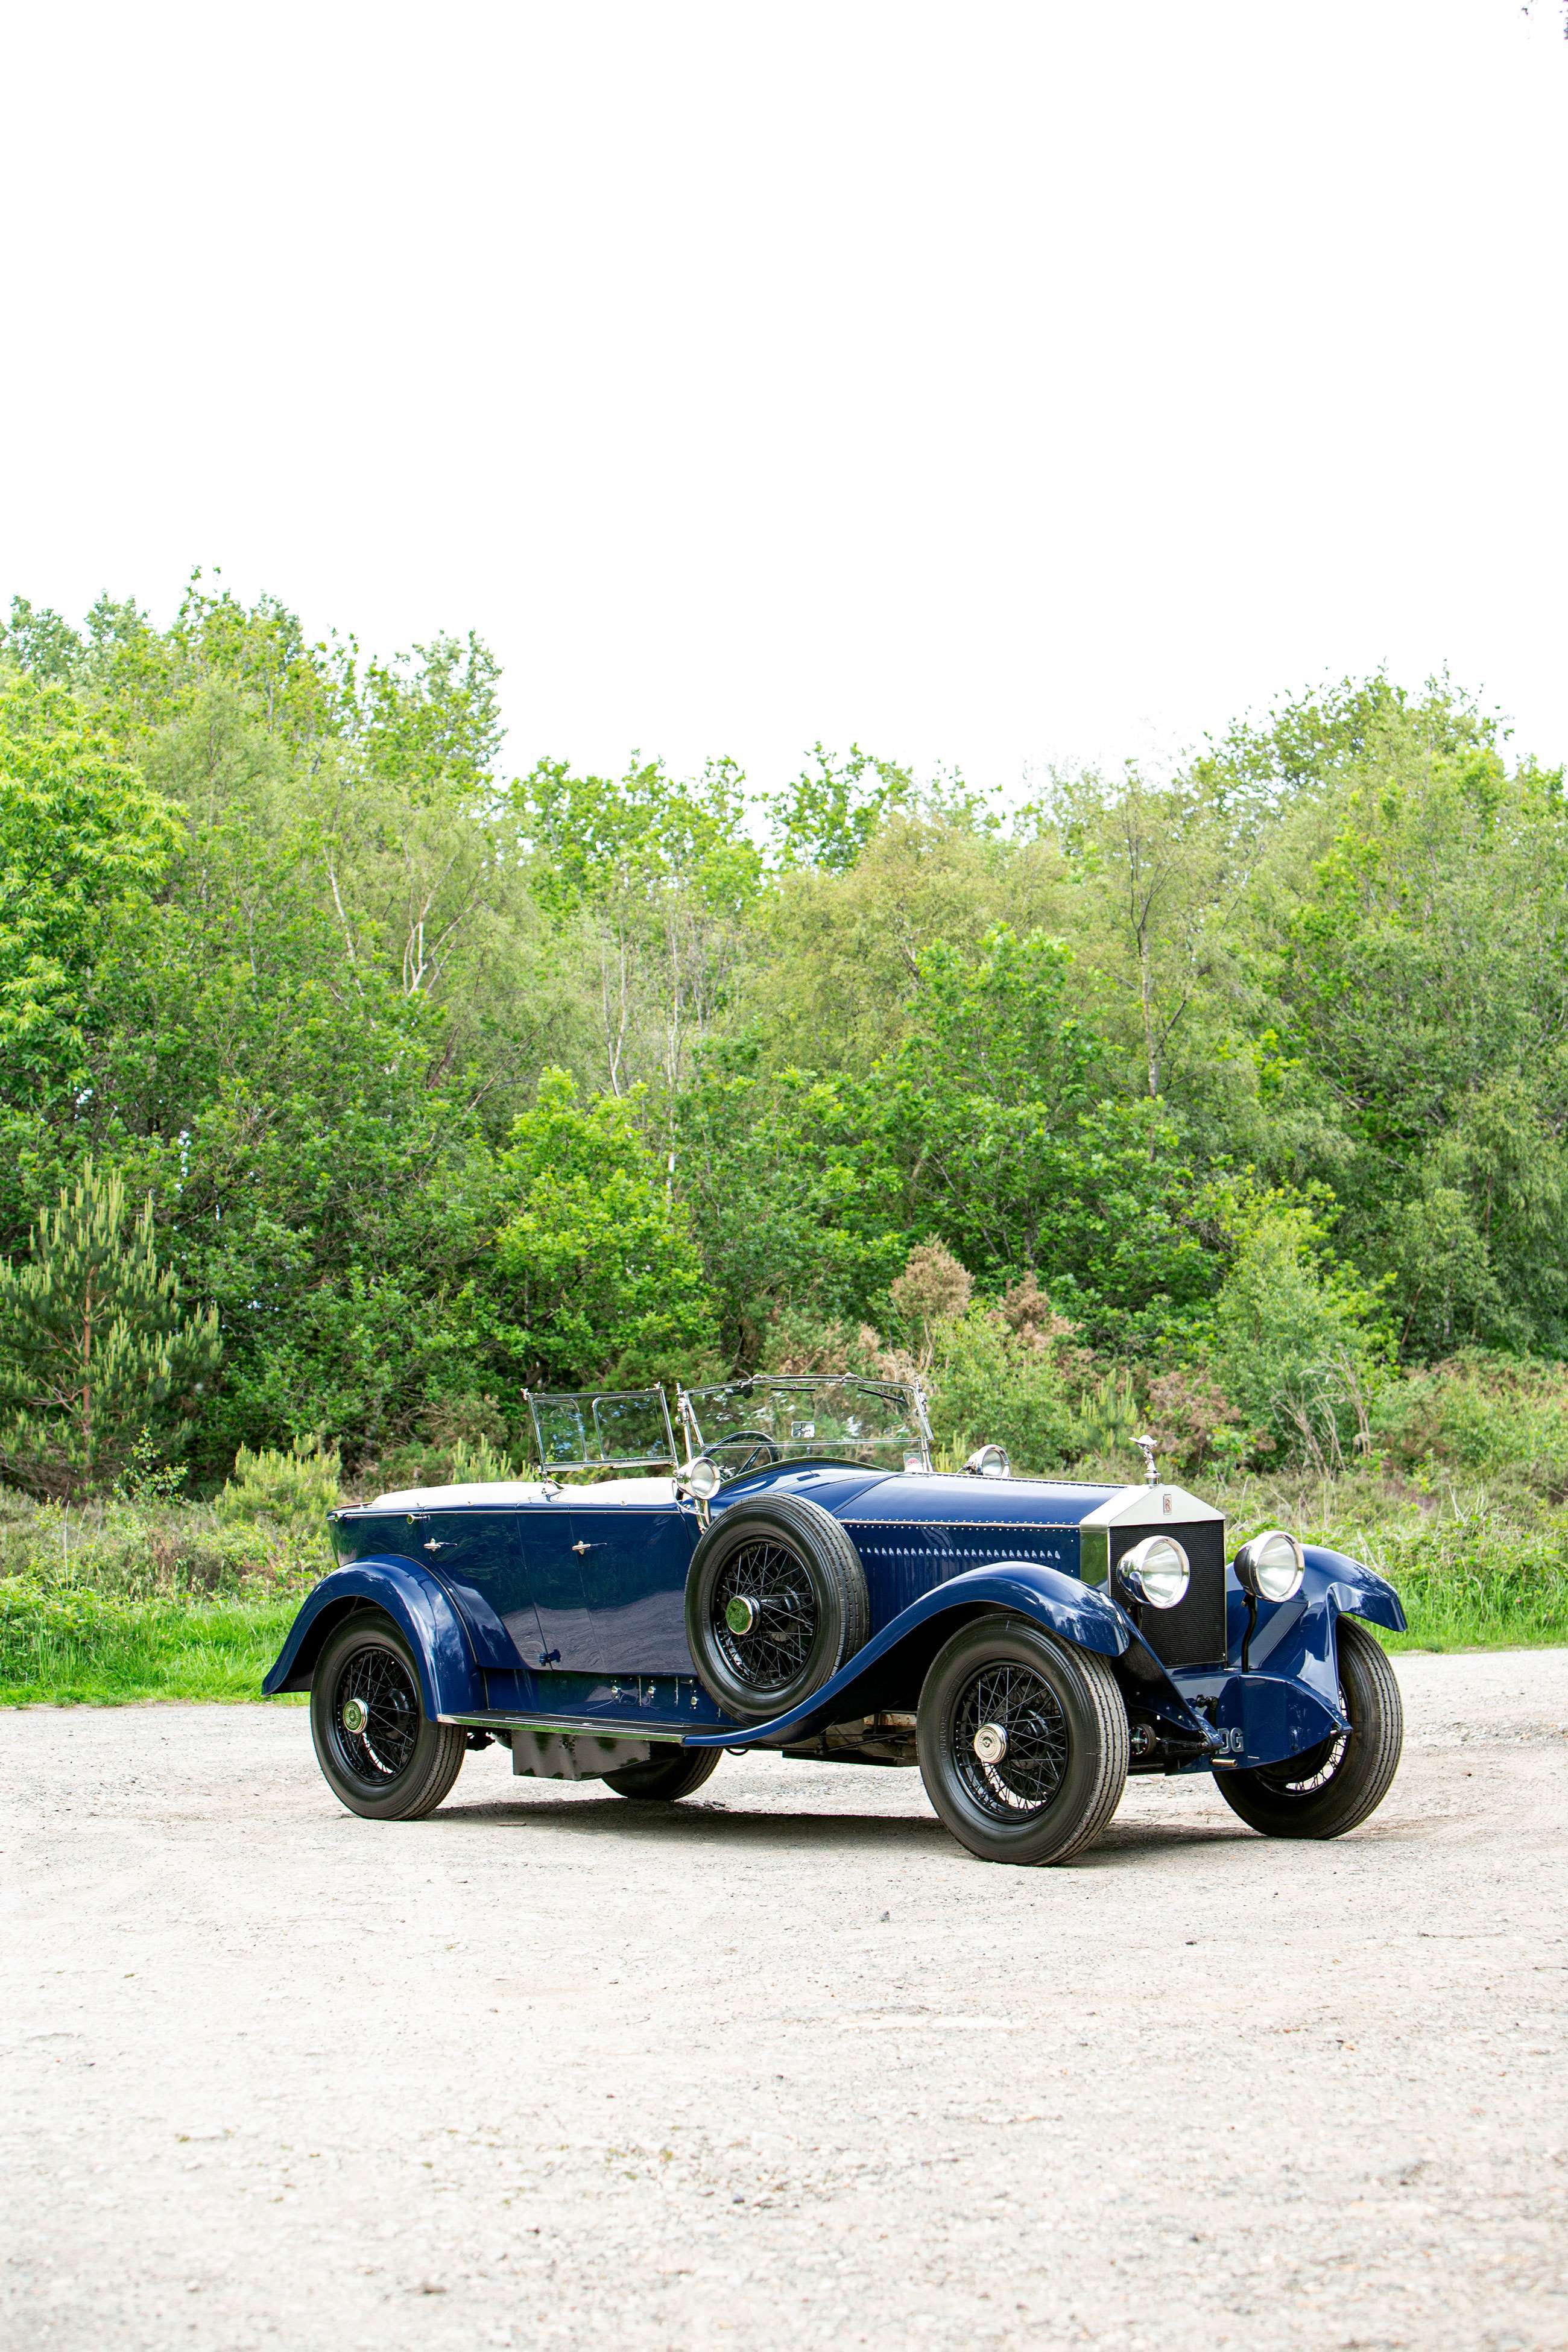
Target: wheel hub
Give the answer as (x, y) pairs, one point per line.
(356, 1717)
(990, 1743)
(739, 1615)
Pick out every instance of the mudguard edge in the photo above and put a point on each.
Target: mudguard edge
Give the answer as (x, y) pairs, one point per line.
(1079, 1613)
(450, 1680)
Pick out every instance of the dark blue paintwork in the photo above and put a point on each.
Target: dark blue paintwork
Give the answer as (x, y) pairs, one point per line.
(450, 1680)
(569, 1610)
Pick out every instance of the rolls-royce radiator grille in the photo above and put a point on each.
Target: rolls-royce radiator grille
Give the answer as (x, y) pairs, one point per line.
(1193, 1634)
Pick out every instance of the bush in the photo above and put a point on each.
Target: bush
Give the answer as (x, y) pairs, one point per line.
(134, 1552)
(1190, 1419)
(988, 1385)
(1487, 1415)
(1297, 1343)
(293, 1491)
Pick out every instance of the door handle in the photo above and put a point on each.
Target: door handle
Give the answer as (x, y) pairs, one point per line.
(581, 1547)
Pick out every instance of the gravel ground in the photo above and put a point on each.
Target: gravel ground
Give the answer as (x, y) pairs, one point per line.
(780, 2067)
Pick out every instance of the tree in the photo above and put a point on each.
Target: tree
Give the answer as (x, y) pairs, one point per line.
(829, 816)
(596, 1279)
(94, 1345)
(1296, 1339)
(659, 874)
(82, 842)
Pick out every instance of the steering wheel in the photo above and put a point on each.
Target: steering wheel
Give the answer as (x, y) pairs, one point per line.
(762, 1444)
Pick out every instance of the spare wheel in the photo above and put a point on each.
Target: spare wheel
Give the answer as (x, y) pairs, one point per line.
(775, 1601)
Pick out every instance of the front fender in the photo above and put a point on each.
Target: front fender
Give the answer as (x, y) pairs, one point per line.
(449, 1679)
(1079, 1613)
(1296, 1639)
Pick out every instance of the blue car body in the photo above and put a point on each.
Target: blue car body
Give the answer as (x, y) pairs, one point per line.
(532, 1606)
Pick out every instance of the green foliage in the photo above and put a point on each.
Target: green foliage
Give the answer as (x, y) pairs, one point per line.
(82, 842)
(833, 810)
(989, 1386)
(1294, 1341)
(84, 1649)
(283, 948)
(293, 1490)
(596, 1276)
(1493, 1418)
(93, 1339)
(477, 1463)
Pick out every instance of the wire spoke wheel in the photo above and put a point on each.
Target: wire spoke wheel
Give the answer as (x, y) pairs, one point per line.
(380, 1754)
(775, 1601)
(1010, 1741)
(1302, 1776)
(763, 1616)
(1023, 1741)
(1333, 1786)
(374, 1716)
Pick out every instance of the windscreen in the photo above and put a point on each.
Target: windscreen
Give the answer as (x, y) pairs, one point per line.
(618, 1430)
(839, 1418)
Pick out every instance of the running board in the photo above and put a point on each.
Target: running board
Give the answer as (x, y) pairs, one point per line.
(577, 1727)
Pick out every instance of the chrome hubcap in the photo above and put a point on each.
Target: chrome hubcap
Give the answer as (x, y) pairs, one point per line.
(356, 1716)
(990, 1743)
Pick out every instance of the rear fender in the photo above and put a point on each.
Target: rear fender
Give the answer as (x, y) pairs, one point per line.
(893, 1665)
(449, 1679)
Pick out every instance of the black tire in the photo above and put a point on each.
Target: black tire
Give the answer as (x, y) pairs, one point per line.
(791, 1563)
(1063, 1764)
(675, 1774)
(1331, 1787)
(400, 1765)
(1334, 1786)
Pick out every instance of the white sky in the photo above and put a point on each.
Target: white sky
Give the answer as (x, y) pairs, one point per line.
(996, 383)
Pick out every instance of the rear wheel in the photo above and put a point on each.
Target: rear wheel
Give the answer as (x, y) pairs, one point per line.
(1023, 1742)
(380, 1753)
(1331, 1787)
(665, 1778)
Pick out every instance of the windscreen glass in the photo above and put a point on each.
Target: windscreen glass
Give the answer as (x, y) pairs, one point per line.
(748, 1423)
(624, 1430)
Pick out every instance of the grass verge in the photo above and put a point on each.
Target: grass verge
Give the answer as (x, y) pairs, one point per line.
(81, 1650)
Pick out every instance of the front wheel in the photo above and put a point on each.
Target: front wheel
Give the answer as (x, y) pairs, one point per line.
(380, 1753)
(1023, 1742)
(1332, 1787)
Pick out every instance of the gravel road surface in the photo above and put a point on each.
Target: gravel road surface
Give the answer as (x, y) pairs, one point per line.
(780, 2067)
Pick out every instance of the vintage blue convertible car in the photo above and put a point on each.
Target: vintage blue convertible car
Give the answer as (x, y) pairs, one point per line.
(797, 1578)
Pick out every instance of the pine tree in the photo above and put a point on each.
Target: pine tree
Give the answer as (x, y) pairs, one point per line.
(94, 1344)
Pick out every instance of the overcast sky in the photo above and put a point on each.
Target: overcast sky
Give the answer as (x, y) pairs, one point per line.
(995, 384)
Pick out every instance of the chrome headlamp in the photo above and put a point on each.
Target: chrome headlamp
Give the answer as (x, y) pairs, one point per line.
(1271, 1568)
(1156, 1570)
(701, 1479)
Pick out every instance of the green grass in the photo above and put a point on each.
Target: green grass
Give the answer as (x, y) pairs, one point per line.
(1476, 1568)
(87, 1653)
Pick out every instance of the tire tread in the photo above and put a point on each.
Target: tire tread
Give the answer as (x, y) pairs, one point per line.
(1332, 1812)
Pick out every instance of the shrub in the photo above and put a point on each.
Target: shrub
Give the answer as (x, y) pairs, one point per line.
(294, 1491)
(933, 1290)
(1297, 1341)
(1190, 1419)
(988, 1385)
(1486, 1414)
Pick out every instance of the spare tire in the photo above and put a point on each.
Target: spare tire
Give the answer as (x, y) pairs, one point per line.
(775, 1601)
